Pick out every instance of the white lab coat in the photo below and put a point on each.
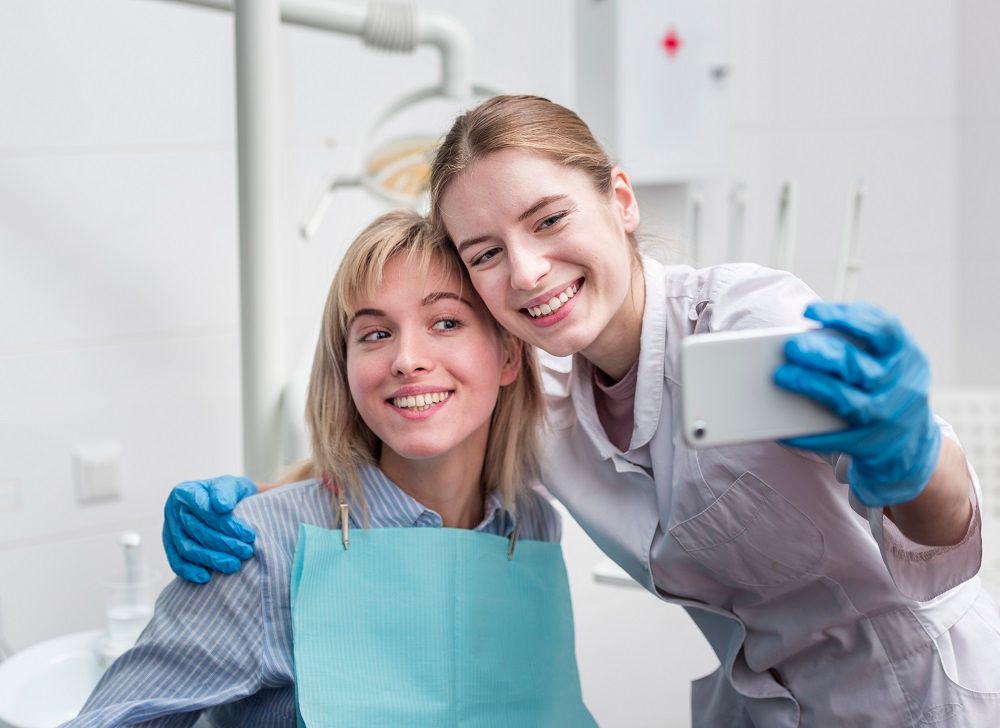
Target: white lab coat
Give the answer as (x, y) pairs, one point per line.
(821, 612)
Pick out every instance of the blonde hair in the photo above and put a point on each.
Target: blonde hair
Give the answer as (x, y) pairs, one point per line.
(531, 123)
(341, 441)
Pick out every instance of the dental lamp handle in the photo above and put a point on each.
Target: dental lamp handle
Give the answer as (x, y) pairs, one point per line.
(319, 213)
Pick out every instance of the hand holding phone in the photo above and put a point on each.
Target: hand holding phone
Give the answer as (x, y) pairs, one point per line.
(858, 385)
(728, 392)
(875, 376)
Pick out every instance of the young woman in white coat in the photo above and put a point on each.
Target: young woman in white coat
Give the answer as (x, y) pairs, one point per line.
(835, 576)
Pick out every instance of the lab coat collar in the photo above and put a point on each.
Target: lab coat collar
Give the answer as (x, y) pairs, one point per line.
(652, 355)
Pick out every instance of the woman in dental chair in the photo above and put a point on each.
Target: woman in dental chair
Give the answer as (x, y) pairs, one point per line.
(413, 577)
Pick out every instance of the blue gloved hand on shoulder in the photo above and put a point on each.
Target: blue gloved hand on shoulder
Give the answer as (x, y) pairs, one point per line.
(200, 534)
(878, 380)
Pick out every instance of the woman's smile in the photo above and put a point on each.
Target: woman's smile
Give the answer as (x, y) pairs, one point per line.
(421, 403)
(554, 306)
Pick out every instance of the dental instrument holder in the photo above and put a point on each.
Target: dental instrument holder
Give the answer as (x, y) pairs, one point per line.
(373, 176)
(129, 600)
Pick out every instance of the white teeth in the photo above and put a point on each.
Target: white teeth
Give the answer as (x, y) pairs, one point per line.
(553, 304)
(420, 402)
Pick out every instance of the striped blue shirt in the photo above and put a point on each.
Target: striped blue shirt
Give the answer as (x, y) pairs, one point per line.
(223, 650)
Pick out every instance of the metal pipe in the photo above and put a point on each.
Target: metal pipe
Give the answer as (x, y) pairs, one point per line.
(259, 153)
(455, 45)
(441, 31)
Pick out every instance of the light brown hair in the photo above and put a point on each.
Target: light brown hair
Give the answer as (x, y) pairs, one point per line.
(341, 441)
(531, 123)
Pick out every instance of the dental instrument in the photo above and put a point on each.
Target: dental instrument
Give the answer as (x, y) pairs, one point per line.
(783, 247)
(696, 206)
(848, 264)
(737, 219)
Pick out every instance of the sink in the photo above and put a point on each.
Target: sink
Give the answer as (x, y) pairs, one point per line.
(47, 684)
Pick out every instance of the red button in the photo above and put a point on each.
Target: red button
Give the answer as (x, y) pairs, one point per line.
(671, 42)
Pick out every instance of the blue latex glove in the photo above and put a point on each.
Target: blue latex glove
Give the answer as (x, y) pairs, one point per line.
(878, 380)
(199, 532)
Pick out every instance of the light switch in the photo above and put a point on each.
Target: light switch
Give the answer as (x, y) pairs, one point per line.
(96, 472)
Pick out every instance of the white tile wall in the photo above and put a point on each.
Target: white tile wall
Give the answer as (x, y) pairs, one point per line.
(866, 64)
(103, 244)
(977, 316)
(978, 92)
(979, 179)
(114, 73)
(978, 183)
(172, 402)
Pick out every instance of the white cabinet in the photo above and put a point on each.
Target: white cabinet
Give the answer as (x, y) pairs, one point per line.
(651, 83)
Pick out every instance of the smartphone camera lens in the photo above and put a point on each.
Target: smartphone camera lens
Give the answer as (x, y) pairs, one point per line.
(699, 430)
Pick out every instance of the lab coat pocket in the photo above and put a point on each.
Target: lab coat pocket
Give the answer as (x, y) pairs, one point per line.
(752, 535)
(968, 650)
(949, 678)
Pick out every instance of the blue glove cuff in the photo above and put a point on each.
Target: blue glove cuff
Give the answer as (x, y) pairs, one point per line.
(882, 484)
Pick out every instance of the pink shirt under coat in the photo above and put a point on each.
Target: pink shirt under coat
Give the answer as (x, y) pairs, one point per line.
(614, 402)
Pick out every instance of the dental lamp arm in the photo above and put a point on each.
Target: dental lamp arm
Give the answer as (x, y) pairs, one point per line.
(389, 26)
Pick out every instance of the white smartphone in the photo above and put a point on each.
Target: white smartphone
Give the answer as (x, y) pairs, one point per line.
(728, 394)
